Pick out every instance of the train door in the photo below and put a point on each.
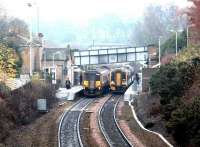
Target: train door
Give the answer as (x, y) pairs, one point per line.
(118, 79)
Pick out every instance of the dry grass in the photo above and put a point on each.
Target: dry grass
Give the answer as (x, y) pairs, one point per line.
(40, 133)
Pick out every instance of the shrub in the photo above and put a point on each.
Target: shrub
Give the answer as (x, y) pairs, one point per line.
(167, 83)
(4, 90)
(171, 81)
(23, 100)
(6, 122)
(184, 124)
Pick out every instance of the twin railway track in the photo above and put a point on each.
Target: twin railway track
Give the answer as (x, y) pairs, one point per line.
(69, 134)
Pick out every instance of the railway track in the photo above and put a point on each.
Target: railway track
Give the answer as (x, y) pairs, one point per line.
(109, 126)
(68, 133)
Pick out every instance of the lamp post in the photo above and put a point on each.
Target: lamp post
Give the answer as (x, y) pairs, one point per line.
(176, 32)
(54, 67)
(159, 54)
(188, 26)
(30, 42)
(187, 36)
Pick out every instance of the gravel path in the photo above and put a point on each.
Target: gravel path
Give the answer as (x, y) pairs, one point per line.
(126, 129)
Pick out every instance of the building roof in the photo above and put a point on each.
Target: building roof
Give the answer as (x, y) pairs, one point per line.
(59, 54)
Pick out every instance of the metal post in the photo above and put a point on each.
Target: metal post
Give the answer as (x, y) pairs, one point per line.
(176, 42)
(45, 64)
(159, 50)
(30, 45)
(53, 61)
(187, 36)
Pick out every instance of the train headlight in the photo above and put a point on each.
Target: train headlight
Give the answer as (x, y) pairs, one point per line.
(112, 83)
(98, 83)
(85, 83)
(124, 82)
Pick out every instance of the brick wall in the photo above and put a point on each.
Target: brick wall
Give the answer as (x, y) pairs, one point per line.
(146, 75)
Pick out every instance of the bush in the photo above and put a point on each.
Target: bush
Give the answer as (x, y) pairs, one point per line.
(167, 83)
(23, 100)
(4, 90)
(171, 81)
(19, 106)
(185, 124)
(6, 122)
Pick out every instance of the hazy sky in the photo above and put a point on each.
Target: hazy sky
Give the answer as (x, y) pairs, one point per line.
(58, 19)
(80, 10)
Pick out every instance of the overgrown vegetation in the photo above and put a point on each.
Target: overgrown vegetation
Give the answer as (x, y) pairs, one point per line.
(8, 60)
(19, 107)
(171, 83)
(169, 45)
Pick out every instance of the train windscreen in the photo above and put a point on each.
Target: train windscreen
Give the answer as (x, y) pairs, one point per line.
(123, 75)
(91, 76)
(112, 76)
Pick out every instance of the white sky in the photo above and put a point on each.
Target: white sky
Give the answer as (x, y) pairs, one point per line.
(80, 10)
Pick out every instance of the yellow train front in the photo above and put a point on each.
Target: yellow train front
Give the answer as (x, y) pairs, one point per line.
(120, 79)
(95, 82)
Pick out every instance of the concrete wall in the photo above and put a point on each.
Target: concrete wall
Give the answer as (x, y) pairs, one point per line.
(146, 75)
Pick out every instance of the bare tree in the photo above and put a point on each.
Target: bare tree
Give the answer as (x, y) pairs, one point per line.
(157, 21)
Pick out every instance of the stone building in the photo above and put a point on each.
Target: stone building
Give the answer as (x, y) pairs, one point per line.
(55, 62)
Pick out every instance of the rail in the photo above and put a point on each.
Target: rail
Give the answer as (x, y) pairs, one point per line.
(122, 139)
(74, 120)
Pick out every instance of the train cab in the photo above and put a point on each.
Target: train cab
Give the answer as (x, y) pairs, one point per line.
(120, 79)
(95, 82)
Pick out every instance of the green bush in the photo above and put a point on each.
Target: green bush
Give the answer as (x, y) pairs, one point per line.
(167, 83)
(185, 124)
(171, 81)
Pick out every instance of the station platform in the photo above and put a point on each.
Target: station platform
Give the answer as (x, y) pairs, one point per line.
(68, 94)
(133, 90)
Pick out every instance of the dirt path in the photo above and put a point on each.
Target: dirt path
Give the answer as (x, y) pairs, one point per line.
(134, 132)
(41, 133)
(125, 127)
(94, 136)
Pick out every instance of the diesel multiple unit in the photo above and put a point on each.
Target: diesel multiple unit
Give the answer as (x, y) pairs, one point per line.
(99, 81)
(121, 78)
(95, 82)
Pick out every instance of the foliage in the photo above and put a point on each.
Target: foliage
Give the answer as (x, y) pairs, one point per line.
(188, 54)
(6, 120)
(184, 123)
(156, 22)
(194, 14)
(171, 81)
(170, 45)
(4, 90)
(25, 104)
(7, 62)
(19, 106)
(11, 30)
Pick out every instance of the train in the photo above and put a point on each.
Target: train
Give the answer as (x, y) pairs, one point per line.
(95, 82)
(121, 78)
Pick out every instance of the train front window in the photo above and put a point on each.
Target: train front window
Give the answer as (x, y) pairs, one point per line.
(123, 76)
(91, 77)
(112, 76)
